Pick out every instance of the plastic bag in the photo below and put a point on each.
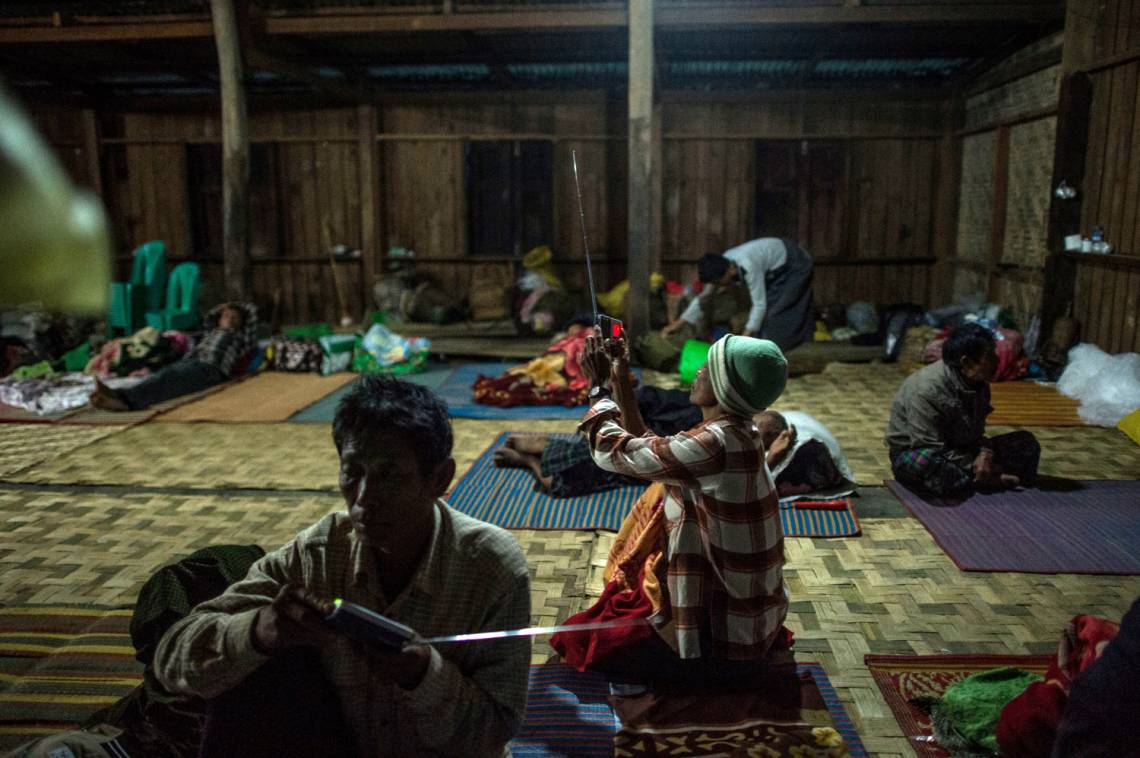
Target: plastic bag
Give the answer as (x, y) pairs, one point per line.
(1108, 386)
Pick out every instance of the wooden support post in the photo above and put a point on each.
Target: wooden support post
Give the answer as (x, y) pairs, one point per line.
(940, 286)
(369, 160)
(657, 195)
(1070, 149)
(91, 151)
(997, 229)
(235, 152)
(640, 162)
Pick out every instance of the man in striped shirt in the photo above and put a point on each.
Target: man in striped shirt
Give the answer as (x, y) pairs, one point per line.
(725, 547)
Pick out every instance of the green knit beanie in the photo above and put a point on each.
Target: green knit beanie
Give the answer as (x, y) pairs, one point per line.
(747, 374)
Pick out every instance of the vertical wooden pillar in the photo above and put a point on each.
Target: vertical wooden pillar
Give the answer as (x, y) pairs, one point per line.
(1069, 153)
(368, 158)
(940, 283)
(91, 150)
(235, 151)
(997, 230)
(640, 162)
(656, 196)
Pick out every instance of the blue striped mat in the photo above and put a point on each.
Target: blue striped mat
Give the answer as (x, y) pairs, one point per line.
(507, 497)
(568, 713)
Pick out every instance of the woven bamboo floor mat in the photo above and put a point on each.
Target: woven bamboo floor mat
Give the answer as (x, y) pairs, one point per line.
(1031, 404)
(236, 456)
(268, 397)
(26, 445)
(903, 677)
(892, 591)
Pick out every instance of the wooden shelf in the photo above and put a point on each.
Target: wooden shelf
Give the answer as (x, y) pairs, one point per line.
(1112, 259)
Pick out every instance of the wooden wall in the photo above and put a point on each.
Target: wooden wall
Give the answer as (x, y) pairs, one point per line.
(871, 198)
(1103, 42)
(1008, 141)
(859, 180)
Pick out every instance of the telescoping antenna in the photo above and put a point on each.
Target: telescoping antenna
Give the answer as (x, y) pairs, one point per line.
(611, 327)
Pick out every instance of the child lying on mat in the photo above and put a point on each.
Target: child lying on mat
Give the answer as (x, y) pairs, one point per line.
(803, 456)
(702, 554)
(231, 335)
(937, 432)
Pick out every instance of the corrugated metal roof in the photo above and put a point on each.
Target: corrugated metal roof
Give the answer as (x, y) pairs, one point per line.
(463, 72)
(890, 68)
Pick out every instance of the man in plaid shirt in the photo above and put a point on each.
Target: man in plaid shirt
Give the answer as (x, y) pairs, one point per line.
(725, 545)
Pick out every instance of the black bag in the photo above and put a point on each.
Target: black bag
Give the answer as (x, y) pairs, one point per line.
(896, 321)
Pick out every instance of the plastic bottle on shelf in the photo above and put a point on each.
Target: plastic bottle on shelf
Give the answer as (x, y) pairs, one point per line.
(1099, 246)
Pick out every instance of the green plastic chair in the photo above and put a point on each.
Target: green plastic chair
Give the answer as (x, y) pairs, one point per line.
(182, 290)
(131, 301)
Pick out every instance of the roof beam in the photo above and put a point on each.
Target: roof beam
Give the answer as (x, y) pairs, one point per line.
(672, 16)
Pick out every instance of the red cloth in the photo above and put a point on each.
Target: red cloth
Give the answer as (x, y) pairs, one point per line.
(1012, 361)
(583, 650)
(514, 389)
(1028, 723)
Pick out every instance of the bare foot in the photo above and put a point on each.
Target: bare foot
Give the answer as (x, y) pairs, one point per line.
(107, 399)
(530, 444)
(506, 457)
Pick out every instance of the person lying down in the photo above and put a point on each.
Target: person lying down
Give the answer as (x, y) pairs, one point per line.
(802, 454)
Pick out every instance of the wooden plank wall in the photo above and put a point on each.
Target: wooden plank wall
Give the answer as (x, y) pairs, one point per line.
(424, 189)
(1004, 193)
(1104, 39)
(870, 199)
(881, 204)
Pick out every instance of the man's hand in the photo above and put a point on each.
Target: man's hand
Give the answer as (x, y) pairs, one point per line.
(784, 442)
(405, 668)
(595, 362)
(671, 327)
(985, 470)
(748, 333)
(617, 351)
(295, 618)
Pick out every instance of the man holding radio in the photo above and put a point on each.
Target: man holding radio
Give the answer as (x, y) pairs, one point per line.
(282, 681)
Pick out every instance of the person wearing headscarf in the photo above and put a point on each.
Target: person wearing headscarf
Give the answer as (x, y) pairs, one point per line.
(714, 591)
(778, 275)
(231, 333)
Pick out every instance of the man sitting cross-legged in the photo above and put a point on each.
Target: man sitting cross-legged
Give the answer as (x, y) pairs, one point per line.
(937, 432)
(281, 682)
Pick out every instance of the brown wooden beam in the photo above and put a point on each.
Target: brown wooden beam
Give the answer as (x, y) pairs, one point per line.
(368, 157)
(706, 16)
(111, 31)
(1000, 75)
(672, 16)
(91, 151)
(641, 167)
(235, 152)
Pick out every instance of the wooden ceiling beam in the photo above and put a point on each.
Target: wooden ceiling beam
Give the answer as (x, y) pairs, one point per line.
(672, 16)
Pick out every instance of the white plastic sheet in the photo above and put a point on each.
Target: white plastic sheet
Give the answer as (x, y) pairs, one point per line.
(1108, 386)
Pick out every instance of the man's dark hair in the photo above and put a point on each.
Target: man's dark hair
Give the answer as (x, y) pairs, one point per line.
(711, 267)
(967, 341)
(379, 403)
(778, 419)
